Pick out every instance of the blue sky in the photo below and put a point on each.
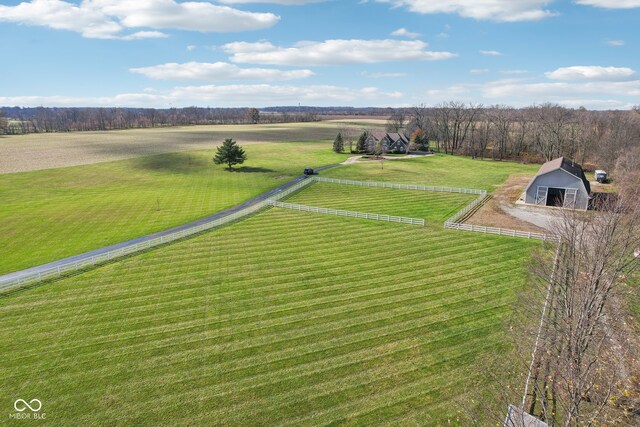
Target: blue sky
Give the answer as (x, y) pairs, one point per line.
(164, 53)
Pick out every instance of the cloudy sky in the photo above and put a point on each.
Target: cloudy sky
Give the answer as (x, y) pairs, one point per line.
(163, 53)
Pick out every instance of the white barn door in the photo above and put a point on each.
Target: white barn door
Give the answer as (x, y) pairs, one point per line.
(541, 196)
(570, 197)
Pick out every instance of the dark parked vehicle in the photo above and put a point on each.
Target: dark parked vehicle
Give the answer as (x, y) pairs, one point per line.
(308, 171)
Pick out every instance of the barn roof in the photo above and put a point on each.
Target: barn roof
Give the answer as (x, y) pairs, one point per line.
(568, 166)
(516, 417)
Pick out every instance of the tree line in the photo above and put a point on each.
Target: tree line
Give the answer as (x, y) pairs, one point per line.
(536, 133)
(17, 121)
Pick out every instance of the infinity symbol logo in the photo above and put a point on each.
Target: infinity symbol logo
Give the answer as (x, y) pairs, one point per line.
(25, 405)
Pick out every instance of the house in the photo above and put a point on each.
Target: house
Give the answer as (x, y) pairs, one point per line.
(387, 142)
(561, 183)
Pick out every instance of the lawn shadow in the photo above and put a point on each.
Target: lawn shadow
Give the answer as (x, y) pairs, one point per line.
(250, 169)
(184, 163)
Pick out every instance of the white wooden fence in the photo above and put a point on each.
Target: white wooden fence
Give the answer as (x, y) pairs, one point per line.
(452, 223)
(501, 231)
(38, 274)
(400, 186)
(350, 214)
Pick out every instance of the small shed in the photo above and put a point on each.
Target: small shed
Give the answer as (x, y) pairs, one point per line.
(559, 183)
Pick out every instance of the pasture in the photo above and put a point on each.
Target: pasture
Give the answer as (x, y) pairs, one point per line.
(56, 213)
(435, 208)
(439, 170)
(286, 318)
(21, 153)
(51, 214)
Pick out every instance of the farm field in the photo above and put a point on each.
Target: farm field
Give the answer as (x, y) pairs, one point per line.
(22, 153)
(51, 214)
(439, 170)
(285, 318)
(433, 207)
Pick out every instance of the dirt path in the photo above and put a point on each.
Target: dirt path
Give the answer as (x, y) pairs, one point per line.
(501, 211)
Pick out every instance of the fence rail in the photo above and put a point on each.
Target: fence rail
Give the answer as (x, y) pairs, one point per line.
(400, 186)
(40, 274)
(350, 214)
(501, 231)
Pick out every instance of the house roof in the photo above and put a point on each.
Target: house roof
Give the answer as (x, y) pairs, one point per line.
(393, 136)
(377, 134)
(398, 136)
(568, 166)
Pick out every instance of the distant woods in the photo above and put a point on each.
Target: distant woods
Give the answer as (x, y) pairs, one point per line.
(536, 133)
(17, 121)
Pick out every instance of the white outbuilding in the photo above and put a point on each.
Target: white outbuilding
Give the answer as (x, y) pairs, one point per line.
(560, 183)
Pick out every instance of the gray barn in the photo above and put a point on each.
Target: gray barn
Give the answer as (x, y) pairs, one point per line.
(559, 182)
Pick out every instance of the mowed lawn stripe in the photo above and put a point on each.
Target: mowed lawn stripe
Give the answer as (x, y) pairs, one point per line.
(186, 328)
(359, 317)
(474, 251)
(186, 333)
(353, 295)
(432, 206)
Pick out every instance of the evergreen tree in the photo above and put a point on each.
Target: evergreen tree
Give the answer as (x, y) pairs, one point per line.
(361, 146)
(229, 153)
(338, 144)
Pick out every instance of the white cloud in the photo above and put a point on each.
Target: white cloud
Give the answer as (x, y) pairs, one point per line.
(490, 53)
(611, 4)
(145, 35)
(383, 75)
(283, 2)
(591, 73)
(333, 52)
(107, 19)
(496, 10)
(225, 95)
(615, 43)
(403, 32)
(216, 71)
(191, 47)
(563, 90)
(479, 71)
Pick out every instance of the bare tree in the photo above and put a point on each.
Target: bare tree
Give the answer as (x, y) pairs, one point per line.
(349, 135)
(501, 118)
(573, 376)
(553, 121)
(4, 123)
(396, 121)
(253, 116)
(453, 121)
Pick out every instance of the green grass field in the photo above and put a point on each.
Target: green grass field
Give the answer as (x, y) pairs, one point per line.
(433, 207)
(286, 318)
(51, 214)
(56, 213)
(439, 170)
